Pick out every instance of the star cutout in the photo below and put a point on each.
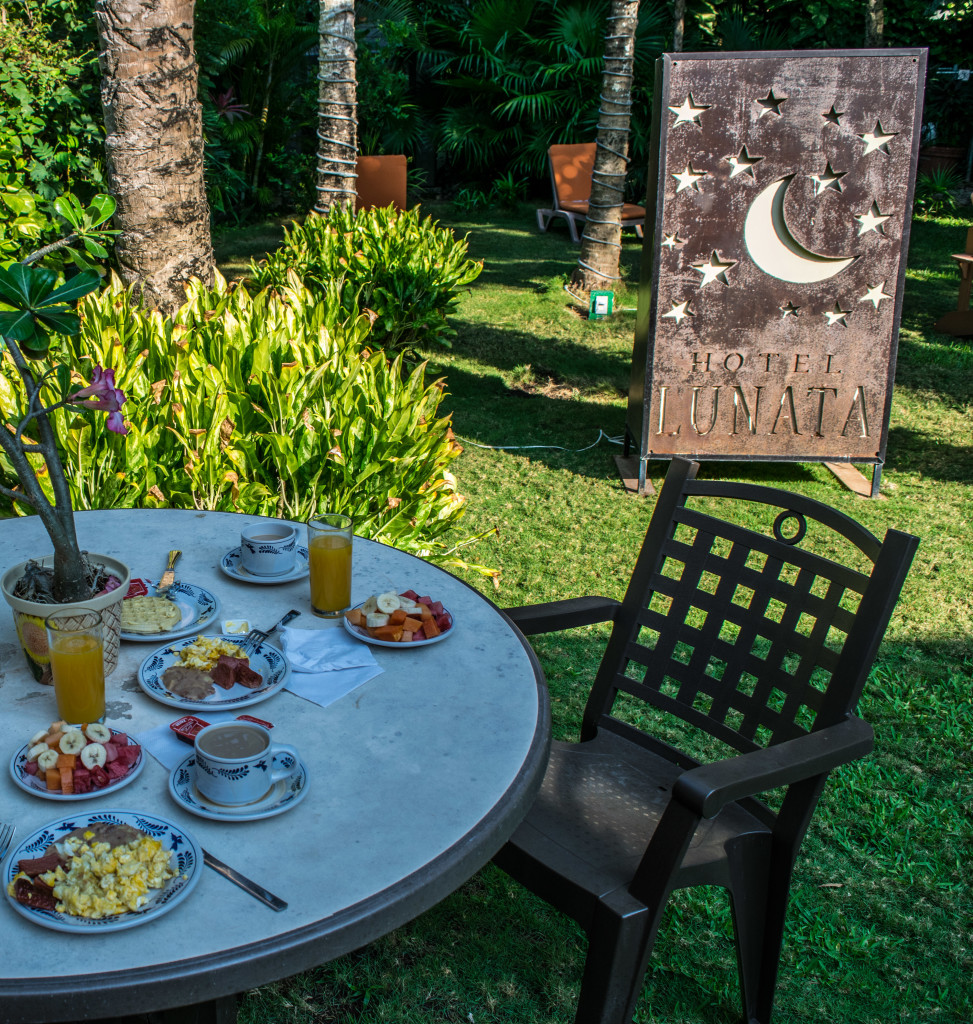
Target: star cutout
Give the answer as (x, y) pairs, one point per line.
(771, 104)
(875, 294)
(714, 270)
(743, 163)
(671, 241)
(789, 310)
(837, 316)
(688, 112)
(833, 115)
(828, 178)
(872, 220)
(689, 178)
(678, 311)
(877, 139)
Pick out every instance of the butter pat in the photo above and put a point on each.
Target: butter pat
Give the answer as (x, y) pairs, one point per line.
(233, 627)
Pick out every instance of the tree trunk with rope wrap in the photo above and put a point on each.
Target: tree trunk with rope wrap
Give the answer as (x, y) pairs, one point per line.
(601, 243)
(337, 109)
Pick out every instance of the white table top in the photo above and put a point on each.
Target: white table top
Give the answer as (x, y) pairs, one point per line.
(416, 779)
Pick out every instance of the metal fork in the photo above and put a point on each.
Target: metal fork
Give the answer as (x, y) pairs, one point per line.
(6, 836)
(256, 637)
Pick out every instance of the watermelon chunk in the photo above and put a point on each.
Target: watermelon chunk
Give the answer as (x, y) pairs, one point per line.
(82, 780)
(419, 634)
(436, 607)
(31, 767)
(410, 594)
(423, 600)
(127, 756)
(117, 770)
(111, 752)
(99, 777)
(120, 739)
(443, 622)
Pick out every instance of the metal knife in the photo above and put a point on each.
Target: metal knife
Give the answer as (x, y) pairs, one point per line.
(262, 894)
(169, 576)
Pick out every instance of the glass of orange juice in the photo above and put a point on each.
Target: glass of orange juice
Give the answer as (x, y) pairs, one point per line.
(76, 645)
(329, 551)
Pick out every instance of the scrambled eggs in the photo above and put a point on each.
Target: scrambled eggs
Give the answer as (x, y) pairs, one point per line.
(102, 880)
(205, 652)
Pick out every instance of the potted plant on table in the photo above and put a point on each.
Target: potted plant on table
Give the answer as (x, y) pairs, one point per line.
(33, 307)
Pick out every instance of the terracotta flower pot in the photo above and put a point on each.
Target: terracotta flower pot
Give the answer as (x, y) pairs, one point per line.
(29, 615)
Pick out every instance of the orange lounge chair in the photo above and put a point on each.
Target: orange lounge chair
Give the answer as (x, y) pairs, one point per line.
(571, 168)
(381, 182)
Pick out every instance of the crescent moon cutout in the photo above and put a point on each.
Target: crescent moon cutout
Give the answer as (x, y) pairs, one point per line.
(775, 250)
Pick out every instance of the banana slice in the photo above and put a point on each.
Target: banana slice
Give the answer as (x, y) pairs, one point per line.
(47, 760)
(409, 607)
(387, 602)
(36, 750)
(38, 736)
(97, 733)
(375, 619)
(94, 755)
(371, 605)
(72, 742)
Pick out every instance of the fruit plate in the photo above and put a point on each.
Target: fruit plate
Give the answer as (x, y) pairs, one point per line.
(183, 846)
(358, 632)
(266, 659)
(197, 608)
(35, 785)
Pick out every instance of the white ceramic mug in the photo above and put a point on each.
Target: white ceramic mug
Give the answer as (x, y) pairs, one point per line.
(268, 549)
(238, 763)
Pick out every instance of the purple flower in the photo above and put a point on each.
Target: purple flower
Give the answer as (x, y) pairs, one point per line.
(102, 394)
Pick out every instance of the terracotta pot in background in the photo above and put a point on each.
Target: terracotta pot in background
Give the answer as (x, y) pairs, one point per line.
(29, 615)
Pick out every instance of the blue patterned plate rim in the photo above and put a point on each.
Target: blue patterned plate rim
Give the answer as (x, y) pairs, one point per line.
(199, 607)
(266, 659)
(182, 843)
(282, 796)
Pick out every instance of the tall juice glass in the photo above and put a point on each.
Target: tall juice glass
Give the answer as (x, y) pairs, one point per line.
(77, 650)
(329, 549)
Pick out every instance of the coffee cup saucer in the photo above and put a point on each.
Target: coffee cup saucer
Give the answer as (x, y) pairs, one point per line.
(231, 564)
(282, 795)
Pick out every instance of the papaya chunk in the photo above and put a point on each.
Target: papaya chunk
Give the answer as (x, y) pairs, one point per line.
(389, 632)
(355, 617)
(397, 618)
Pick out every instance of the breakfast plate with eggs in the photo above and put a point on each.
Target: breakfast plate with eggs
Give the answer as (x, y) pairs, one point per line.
(187, 673)
(101, 872)
(186, 609)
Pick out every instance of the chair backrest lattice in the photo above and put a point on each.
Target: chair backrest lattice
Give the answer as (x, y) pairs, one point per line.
(748, 637)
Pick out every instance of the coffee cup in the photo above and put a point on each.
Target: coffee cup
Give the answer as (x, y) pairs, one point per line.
(238, 763)
(268, 549)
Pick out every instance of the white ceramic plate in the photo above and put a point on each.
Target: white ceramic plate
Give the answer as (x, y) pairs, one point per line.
(186, 851)
(359, 634)
(35, 784)
(266, 659)
(282, 796)
(231, 565)
(197, 607)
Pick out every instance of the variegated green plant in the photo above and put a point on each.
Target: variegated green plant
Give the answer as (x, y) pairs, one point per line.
(403, 272)
(267, 403)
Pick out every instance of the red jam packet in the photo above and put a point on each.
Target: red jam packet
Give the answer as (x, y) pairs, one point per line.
(137, 588)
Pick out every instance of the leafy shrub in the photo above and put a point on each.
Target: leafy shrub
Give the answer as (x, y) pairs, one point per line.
(266, 404)
(935, 191)
(403, 272)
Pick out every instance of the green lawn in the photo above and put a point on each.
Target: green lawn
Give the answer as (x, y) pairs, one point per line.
(881, 919)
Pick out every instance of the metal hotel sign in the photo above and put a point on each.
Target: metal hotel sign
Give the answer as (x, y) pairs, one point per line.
(772, 283)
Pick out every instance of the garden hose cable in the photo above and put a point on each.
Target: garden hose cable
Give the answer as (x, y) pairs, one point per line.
(560, 448)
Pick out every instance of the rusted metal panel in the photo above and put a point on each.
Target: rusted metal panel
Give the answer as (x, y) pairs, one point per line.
(772, 283)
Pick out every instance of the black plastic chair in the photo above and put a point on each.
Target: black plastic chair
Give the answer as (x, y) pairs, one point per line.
(758, 644)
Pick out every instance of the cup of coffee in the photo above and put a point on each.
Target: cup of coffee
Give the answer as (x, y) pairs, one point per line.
(268, 549)
(237, 762)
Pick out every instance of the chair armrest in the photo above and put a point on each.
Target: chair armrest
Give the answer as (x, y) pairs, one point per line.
(709, 788)
(556, 615)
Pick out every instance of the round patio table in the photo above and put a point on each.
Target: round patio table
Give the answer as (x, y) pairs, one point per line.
(416, 778)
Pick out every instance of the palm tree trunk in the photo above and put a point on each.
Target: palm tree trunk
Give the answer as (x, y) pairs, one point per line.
(678, 25)
(154, 146)
(601, 244)
(875, 23)
(337, 106)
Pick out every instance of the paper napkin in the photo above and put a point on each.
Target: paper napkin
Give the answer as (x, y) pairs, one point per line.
(326, 663)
